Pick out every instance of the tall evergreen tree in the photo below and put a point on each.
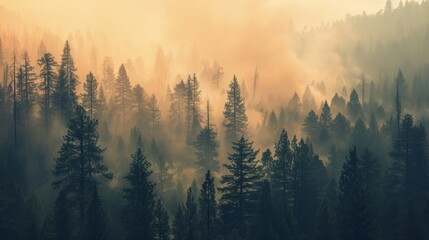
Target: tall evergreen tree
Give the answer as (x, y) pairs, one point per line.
(108, 79)
(179, 225)
(178, 108)
(138, 215)
(193, 112)
(140, 107)
(206, 146)
(62, 219)
(64, 96)
(311, 125)
(123, 94)
(190, 216)
(49, 76)
(160, 225)
(154, 115)
(102, 104)
(208, 209)
(235, 120)
(89, 97)
(354, 109)
(80, 161)
(97, 222)
(282, 169)
(28, 91)
(240, 186)
(354, 207)
(267, 164)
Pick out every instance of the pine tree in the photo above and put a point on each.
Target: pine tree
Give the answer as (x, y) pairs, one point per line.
(138, 216)
(282, 168)
(102, 104)
(97, 223)
(264, 224)
(49, 77)
(123, 94)
(354, 207)
(235, 120)
(163, 178)
(193, 112)
(154, 115)
(240, 186)
(108, 76)
(179, 226)
(327, 217)
(267, 164)
(340, 127)
(160, 225)
(62, 219)
(325, 122)
(311, 125)
(80, 161)
(273, 121)
(178, 108)
(28, 91)
(354, 108)
(190, 216)
(208, 209)
(206, 146)
(140, 107)
(89, 97)
(65, 97)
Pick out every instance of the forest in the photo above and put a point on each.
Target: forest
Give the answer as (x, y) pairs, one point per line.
(180, 146)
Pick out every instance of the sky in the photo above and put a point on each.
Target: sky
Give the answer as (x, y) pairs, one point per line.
(239, 34)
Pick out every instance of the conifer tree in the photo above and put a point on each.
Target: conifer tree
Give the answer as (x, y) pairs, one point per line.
(206, 146)
(123, 94)
(140, 107)
(208, 209)
(354, 108)
(108, 79)
(65, 97)
(282, 168)
(49, 77)
(354, 206)
(179, 225)
(235, 120)
(27, 89)
(267, 164)
(138, 216)
(62, 219)
(79, 162)
(102, 104)
(311, 125)
(161, 227)
(264, 226)
(97, 223)
(89, 97)
(190, 216)
(240, 186)
(178, 108)
(154, 115)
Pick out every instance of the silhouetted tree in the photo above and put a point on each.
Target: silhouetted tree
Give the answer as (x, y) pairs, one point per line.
(123, 94)
(240, 186)
(179, 224)
(89, 97)
(49, 77)
(206, 146)
(64, 96)
(190, 216)
(80, 161)
(138, 215)
(208, 209)
(235, 120)
(161, 227)
(97, 223)
(154, 115)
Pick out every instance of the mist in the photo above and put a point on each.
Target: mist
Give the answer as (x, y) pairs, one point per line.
(260, 119)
